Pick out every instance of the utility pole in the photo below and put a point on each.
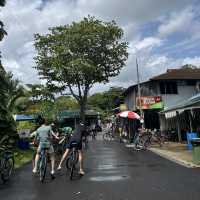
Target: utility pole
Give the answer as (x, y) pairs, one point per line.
(139, 92)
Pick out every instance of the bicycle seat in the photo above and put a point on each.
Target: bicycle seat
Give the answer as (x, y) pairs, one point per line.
(74, 144)
(45, 148)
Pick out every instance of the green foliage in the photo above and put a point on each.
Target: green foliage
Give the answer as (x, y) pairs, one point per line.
(50, 109)
(26, 125)
(66, 103)
(78, 55)
(10, 91)
(189, 66)
(108, 100)
(22, 157)
(41, 92)
(7, 124)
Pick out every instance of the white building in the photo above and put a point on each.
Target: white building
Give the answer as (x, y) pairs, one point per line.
(163, 91)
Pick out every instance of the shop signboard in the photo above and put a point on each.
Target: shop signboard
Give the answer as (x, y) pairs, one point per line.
(149, 102)
(123, 107)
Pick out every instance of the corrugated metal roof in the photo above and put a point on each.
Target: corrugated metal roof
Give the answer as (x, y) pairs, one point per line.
(179, 74)
(193, 102)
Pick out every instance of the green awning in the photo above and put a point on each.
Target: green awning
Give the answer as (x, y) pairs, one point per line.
(71, 114)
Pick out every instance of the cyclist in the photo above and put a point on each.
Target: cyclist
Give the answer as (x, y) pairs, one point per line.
(44, 135)
(67, 130)
(76, 137)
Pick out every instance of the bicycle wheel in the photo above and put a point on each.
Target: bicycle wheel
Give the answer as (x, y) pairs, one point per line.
(7, 170)
(72, 171)
(139, 144)
(70, 160)
(86, 144)
(106, 136)
(43, 168)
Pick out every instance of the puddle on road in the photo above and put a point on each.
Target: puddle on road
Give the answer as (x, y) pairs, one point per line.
(102, 167)
(108, 178)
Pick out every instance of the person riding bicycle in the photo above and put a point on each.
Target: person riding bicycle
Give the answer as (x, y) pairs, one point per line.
(76, 137)
(44, 135)
(67, 130)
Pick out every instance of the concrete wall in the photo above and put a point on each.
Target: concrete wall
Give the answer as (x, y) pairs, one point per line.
(184, 93)
(130, 101)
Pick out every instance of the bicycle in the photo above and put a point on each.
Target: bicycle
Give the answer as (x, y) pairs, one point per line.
(108, 135)
(153, 137)
(6, 161)
(138, 141)
(72, 159)
(85, 142)
(42, 164)
(60, 145)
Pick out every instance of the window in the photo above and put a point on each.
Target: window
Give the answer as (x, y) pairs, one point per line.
(162, 87)
(168, 87)
(191, 82)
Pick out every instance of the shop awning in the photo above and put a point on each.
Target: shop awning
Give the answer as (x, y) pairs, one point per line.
(191, 103)
(72, 114)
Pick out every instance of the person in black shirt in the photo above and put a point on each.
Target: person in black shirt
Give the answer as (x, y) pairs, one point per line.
(76, 137)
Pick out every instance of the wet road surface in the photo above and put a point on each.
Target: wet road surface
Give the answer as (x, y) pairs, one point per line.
(113, 172)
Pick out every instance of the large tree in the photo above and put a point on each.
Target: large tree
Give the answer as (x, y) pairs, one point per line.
(78, 55)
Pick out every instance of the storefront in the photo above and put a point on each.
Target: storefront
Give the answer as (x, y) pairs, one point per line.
(150, 106)
(182, 118)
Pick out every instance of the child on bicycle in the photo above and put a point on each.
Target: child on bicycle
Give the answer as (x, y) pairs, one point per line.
(76, 137)
(44, 135)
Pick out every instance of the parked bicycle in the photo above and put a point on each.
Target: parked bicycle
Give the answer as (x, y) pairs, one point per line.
(6, 161)
(153, 137)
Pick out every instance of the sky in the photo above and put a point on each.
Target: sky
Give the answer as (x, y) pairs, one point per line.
(162, 34)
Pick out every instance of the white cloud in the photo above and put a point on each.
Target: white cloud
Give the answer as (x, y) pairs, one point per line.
(157, 61)
(22, 19)
(178, 22)
(148, 42)
(194, 61)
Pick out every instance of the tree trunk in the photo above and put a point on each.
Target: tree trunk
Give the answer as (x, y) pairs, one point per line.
(82, 111)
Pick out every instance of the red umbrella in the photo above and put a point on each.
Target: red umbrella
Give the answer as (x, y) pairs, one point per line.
(129, 114)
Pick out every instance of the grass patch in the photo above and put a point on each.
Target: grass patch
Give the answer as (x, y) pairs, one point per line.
(22, 157)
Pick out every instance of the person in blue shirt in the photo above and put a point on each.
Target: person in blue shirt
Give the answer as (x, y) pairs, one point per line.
(44, 135)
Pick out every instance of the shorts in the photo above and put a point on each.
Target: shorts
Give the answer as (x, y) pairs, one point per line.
(44, 145)
(79, 145)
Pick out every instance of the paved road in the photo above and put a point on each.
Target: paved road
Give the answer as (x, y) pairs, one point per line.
(113, 172)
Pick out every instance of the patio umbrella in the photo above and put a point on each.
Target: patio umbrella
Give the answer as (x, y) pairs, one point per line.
(129, 115)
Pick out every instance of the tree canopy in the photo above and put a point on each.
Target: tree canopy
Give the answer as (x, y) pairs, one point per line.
(78, 55)
(106, 101)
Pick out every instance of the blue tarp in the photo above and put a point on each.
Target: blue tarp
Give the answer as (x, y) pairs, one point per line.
(24, 118)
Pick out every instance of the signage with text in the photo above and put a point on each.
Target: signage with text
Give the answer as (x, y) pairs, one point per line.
(149, 102)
